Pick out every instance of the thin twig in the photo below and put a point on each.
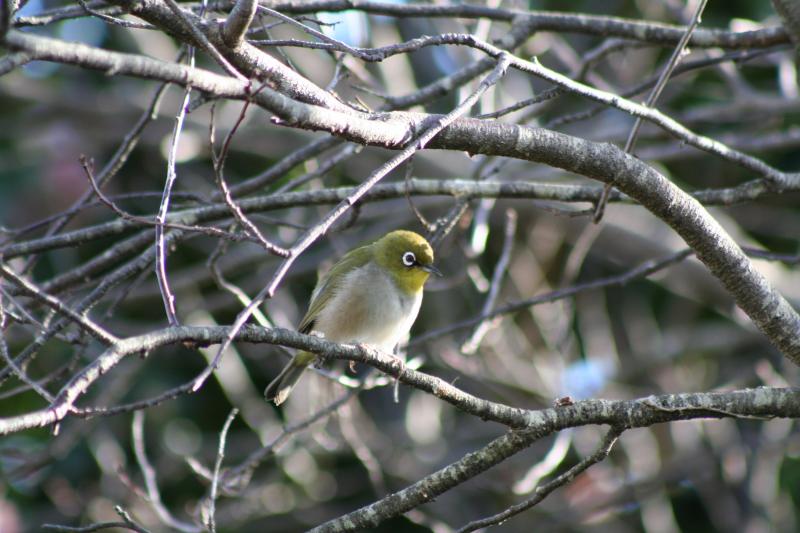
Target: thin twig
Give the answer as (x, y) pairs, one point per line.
(238, 476)
(686, 66)
(19, 372)
(58, 374)
(442, 227)
(470, 346)
(407, 180)
(282, 167)
(115, 20)
(127, 523)
(219, 279)
(127, 270)
(355, 439)
(161, 249)
(24, 315)
(541, 492)
(151, 483)
(58, 306)
(212, 498)
(335, 44)
(590, 58)
(16, 232)
(87, 165)
(218, 161)
(343, 153)
(203, 41)
(641, 271)
(114, 164)
(677, 54)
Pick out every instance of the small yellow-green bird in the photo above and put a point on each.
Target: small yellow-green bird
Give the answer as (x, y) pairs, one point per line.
(371, 296)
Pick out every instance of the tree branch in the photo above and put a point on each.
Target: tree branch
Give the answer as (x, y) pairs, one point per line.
(647, 31)
(620, 414)
(541, 492)
(486, 410)
(57, 305)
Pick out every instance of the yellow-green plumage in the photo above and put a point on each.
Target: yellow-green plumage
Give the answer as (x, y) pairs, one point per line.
(371, 295)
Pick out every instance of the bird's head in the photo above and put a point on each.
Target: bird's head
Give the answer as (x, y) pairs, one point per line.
(408, 257)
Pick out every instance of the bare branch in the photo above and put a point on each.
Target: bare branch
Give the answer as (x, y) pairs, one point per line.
(203, 42)
(470, 346)
(218, 161)
(130, 269)
(212, 498)
(13, 61)
(619, 414)
(507, 415)
(54, 303)
(87, 165)
(114, 20)
(373, 133)
(150, 480)
(18, 372)
(161, 247)
(127, 523)
(541, 492)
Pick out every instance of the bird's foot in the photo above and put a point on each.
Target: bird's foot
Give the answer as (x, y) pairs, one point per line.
(363, 347)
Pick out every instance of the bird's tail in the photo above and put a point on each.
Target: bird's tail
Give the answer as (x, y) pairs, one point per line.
(280, 387)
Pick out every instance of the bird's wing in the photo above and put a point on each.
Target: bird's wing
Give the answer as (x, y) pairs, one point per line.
(328, 284)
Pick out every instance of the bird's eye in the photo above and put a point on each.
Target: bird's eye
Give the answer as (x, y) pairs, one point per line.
(409, 259)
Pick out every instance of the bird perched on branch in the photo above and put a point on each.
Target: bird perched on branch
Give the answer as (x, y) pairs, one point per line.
(371, 295)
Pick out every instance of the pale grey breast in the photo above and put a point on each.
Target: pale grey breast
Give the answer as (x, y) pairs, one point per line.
(368, 308)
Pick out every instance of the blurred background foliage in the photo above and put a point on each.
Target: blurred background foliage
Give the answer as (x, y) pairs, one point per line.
(676, 331)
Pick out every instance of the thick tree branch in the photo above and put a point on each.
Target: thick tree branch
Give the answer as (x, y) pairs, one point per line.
(581, 413)
(607, 163)
(620, 414)
(375, 129)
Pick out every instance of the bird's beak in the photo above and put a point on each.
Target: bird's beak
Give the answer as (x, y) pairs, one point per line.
(432, 270)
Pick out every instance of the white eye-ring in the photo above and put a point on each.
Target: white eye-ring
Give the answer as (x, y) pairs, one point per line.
(409, 259)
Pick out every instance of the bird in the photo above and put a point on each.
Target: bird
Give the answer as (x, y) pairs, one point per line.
(371, 295)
